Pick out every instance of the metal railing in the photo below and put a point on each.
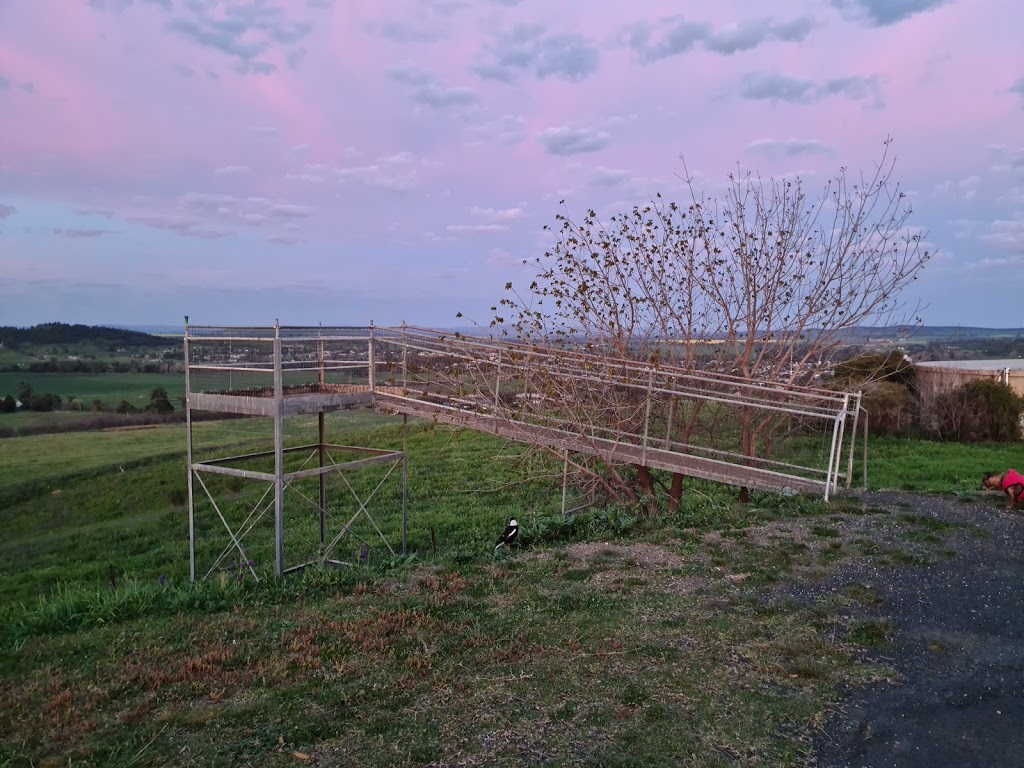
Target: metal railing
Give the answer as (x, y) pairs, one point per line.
(589, 402)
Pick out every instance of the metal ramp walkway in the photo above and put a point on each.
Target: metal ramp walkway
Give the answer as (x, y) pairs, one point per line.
(763, 435)
(702, 424)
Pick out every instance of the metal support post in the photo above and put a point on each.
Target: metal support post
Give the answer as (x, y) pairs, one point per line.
(832, 458)
(497, 386)
(188, 451)
(278, 455)
(405, 359)
(866, 417)
(405, 481)
(647, 413)
(371, 362)
(853, 441)
(323, 478)
(565, 478)
(668, 427)
(842, 434)
(321, 380)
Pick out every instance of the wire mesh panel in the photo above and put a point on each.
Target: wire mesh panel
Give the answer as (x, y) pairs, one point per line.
(230, 360)
(241, 361)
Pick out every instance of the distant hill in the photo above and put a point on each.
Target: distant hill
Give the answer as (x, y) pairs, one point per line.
(62, 333)
(179, 330)
(932, 332)
(128, 336)
(157, 330)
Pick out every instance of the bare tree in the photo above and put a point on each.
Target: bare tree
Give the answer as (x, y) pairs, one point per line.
(762, 283)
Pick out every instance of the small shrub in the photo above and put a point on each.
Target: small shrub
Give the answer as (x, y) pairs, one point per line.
(44, 402)
(979, 411)
(159, 403)
(890, 407)
(887, 380)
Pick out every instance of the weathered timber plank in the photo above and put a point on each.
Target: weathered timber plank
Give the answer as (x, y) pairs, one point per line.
(290, 404)
(254, 406)
(320, 401)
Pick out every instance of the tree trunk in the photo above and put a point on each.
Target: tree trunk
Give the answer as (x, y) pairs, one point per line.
(643, 479)
(675, 494)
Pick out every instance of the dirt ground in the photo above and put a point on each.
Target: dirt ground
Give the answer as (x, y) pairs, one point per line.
(957, 644)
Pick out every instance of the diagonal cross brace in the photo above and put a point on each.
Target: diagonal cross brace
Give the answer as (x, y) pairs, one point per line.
(234, 539)
(361, 510)
(246, 526)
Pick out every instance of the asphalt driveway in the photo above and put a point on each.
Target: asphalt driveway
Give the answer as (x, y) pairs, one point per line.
(956, 643)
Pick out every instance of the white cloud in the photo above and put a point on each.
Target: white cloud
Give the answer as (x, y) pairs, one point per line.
(607, 177)
(564, 140)
(440, 97)
(398, 172)
(478, 228)
(1007, 234)
(507, 130)
(289, 211)
(528, 48)
(492, 214)
(674, 35)
(428, 89)
(882, 13)
(791, 147)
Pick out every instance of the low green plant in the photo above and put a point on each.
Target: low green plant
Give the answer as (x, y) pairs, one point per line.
(872, 632)
(979, 411)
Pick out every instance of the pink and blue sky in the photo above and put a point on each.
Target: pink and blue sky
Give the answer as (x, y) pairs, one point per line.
(308, 160)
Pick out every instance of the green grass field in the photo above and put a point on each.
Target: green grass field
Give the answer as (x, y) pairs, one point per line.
(613, 638)
(110, 388)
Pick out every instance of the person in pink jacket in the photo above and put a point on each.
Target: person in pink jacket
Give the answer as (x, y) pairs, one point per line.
(1010, 482)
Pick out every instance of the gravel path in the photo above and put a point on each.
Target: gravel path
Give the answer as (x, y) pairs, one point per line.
(957, 645)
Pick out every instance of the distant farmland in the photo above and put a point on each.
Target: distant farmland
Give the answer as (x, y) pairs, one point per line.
(109, 388)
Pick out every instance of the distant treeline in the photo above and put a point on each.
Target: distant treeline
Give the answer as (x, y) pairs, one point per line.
(109, 421)
(94, 366)
(62, 333)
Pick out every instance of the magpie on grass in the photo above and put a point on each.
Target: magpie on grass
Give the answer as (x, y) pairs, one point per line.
(511, 531)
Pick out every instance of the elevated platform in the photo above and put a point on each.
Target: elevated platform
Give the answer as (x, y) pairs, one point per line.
(321, 399)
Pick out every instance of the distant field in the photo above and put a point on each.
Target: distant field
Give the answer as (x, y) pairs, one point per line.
(48, 421)
(110, 388)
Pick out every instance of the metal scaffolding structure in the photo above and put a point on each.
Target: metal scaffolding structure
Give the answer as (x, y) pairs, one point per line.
(280, 373)
(698, 423)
